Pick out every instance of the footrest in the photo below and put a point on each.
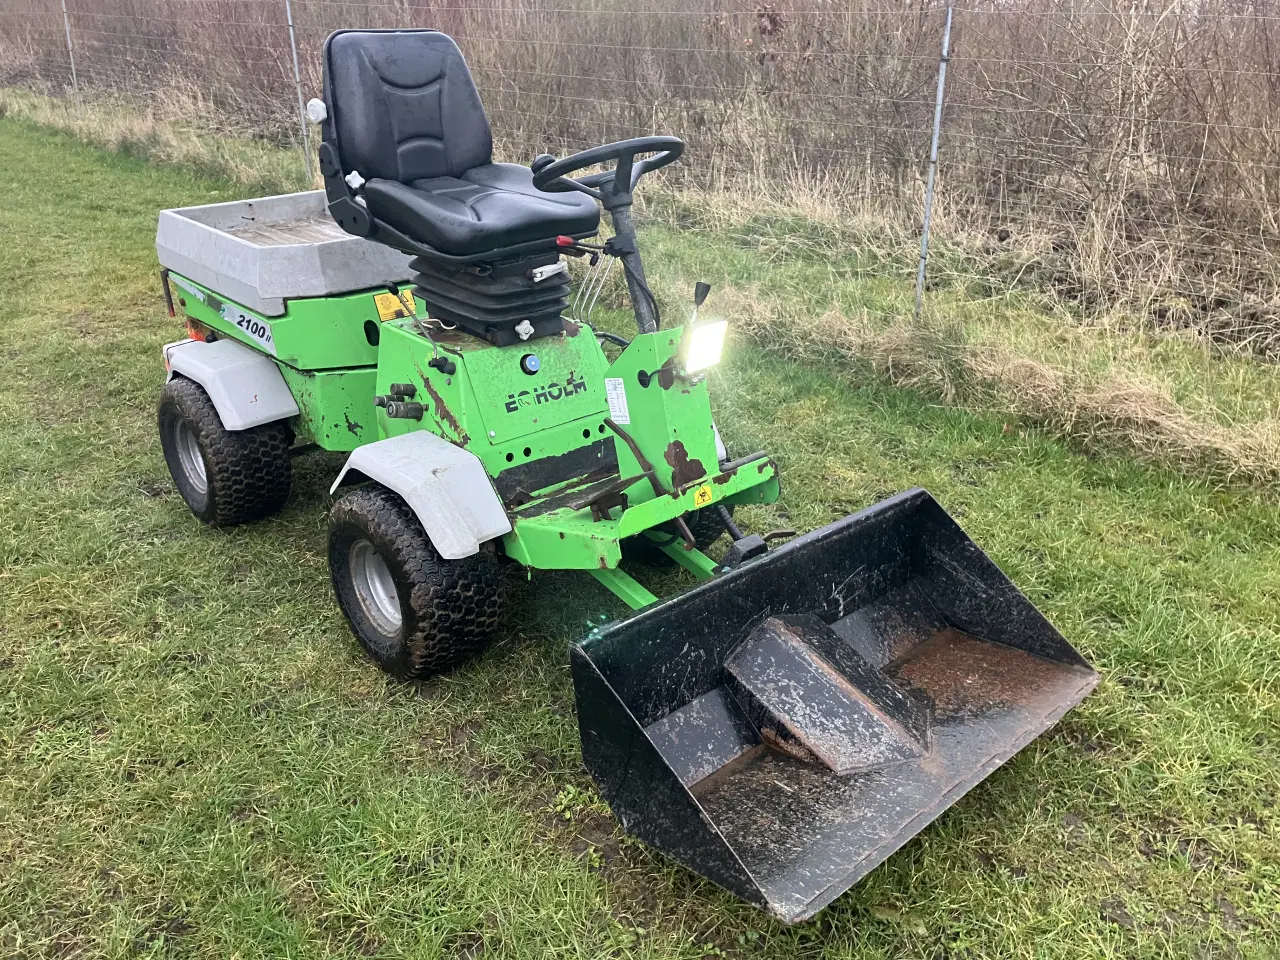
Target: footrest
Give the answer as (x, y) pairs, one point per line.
(813, 696)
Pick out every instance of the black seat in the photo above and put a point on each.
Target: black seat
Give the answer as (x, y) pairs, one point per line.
(494, 205)
(406, 117)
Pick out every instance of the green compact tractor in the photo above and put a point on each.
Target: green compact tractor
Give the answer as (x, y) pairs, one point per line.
(780, 727)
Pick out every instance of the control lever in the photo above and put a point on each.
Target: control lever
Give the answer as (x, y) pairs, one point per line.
(700, 291)
(405, 302)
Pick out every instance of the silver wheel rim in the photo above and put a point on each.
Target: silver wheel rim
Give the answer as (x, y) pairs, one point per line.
(188, 450)
(375, 588)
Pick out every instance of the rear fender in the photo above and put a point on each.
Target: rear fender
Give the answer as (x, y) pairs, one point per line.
(445, 486)
(246, 387)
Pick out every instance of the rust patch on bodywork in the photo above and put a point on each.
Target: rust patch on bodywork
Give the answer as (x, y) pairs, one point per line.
(444, 416)
(352, 425)
(683, 470)
(571, 328)
(576, 471)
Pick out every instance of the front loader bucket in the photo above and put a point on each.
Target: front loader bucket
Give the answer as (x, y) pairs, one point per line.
(785, 727)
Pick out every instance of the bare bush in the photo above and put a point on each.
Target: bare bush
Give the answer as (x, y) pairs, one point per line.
(1113, 153)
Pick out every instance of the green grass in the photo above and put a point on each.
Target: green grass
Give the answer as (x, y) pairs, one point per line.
(198, 762)
(173, 127)
(1105, 383)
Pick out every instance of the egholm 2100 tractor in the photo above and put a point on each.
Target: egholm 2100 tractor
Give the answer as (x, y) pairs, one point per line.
(781, 727)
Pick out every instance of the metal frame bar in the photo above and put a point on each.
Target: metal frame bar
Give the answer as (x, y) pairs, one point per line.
(625, 587)
(695, 561)
(933, 164)
(297, 80)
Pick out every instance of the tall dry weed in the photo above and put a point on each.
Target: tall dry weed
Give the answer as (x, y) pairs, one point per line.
(1116, 409)
(1107, 152)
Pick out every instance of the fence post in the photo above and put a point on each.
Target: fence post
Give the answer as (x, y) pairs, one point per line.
(933, 164)
(71, 54)
(297, 82)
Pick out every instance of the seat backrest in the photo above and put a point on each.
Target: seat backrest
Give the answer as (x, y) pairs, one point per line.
(403, 106)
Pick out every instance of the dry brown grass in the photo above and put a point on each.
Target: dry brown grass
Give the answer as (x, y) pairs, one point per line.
(166, 128)
(1124, 152)
(1116, 408)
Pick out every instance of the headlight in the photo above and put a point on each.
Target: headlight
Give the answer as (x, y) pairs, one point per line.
(703, 345)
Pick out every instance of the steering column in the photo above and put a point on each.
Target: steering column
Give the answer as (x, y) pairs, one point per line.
(615, 190)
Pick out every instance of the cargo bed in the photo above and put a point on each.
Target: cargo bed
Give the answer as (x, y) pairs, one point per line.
(260, 253)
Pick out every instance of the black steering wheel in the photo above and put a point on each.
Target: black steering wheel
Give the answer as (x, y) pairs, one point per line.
(553, 176)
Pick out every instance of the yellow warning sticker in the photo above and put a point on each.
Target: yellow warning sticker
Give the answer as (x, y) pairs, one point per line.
(702, 496)
(391, 307)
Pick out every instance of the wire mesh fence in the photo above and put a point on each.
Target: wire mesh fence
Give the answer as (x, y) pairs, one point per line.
(1114, 154)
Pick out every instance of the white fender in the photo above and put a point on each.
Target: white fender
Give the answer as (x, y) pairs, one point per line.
(445, 486)
(247, 388)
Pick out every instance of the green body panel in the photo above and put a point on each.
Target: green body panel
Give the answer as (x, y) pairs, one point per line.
(337, 406)
(754, 483)
(670, 418)
(488, 404)
(567, 387)
(403, 355)
(566, 539)
(540, 436)
(315, 333)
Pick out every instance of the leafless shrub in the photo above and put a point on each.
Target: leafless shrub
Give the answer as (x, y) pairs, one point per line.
(1113, 154)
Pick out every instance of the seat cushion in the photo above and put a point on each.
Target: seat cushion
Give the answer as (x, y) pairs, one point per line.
(489, 206)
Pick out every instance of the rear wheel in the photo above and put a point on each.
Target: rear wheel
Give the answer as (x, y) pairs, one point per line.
(225, 476)
(415, 613)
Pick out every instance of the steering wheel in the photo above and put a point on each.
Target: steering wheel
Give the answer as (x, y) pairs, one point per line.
(553, 177)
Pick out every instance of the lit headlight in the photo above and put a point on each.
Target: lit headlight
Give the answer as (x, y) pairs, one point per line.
(703, 344)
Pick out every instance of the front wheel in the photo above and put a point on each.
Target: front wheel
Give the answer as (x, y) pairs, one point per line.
(415, 613)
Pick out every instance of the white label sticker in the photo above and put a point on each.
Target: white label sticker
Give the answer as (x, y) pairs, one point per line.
(194, 291)
(617, 396)
(255, 328)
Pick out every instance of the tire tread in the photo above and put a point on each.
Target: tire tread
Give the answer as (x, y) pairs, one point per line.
(456, 604)
(249, 472)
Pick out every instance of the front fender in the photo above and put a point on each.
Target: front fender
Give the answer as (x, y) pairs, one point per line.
(445, 486)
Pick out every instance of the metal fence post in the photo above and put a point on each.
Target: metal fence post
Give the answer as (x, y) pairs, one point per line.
(297, 81)
(933, 164)
(71, 54)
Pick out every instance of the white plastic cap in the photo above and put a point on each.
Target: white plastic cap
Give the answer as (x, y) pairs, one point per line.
(317, 112)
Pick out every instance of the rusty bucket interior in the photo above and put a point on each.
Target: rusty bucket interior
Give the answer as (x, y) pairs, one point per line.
(784, 728)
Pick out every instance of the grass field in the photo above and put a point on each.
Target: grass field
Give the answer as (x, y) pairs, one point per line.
(196, 761)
